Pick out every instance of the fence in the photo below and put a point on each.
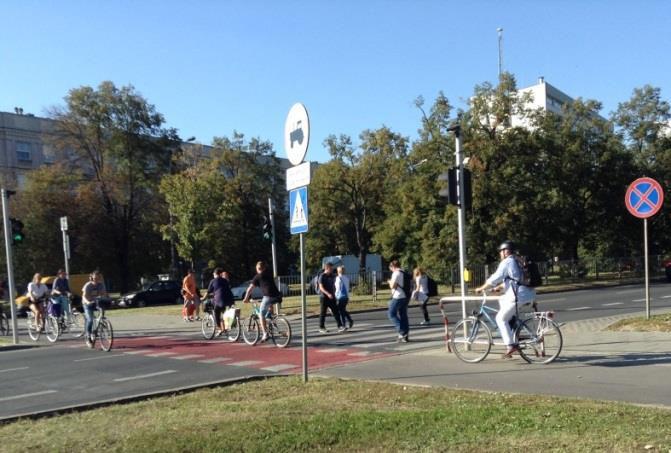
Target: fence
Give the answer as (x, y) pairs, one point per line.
(554, 273)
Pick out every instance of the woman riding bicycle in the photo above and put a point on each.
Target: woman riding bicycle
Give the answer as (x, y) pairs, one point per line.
(509, 273)
(92, 290)
(271, 295)
(37, 293)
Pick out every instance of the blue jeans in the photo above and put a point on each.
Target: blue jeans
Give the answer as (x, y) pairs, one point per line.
(89, 314)
(398, 315)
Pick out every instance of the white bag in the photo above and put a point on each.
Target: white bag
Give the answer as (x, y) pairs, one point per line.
(230, 318)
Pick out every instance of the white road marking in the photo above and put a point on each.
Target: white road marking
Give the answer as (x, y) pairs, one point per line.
(27, 395)
(187, 356)
(666, 297)
(612, 303)
(100, 357)
(281, 367)
(640, 300)
(160, 354)
(561, 299)
(329, 350)
(13, 369)
(246, 363)
(138, 351)
(578, 308)
(216, 360)
(144, 376)
(159, 337)
(360, 354)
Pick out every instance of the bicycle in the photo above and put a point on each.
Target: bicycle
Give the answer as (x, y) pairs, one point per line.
(102, 327)
(4, 322)
(208, 325)
(538, 336)
(49, 326)
(73, 323)
(277, 326)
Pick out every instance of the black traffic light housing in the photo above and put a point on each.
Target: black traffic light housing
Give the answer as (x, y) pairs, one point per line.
(267, 229)
(17, 231)
(451, 189)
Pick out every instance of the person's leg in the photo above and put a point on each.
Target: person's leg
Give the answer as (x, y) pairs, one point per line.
(266, 308)
(392, 313)
(89, 310)
(403, 317)
(425, 311)
(65, 307)
(333, 305)
(197, 311)
(506, 312)
(218, 321)
(343, 312)
(322, 312)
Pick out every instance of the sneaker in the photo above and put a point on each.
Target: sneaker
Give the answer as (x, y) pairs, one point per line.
(198, 318)
(89, 344)
(323, 330)
(425, 323)
(264, 338)
(351, 324)
(399, 339)
(342, 329)
(405, 339)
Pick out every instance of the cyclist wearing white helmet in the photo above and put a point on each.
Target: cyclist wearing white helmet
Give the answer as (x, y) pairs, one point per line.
(509, 273)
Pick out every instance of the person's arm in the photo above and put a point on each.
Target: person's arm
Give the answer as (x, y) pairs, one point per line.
(322, 288)
(248, 293)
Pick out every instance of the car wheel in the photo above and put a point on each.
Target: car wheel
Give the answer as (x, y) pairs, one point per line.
(140, 303)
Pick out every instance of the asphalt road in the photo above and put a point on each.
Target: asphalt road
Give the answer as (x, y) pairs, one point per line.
(154, 357)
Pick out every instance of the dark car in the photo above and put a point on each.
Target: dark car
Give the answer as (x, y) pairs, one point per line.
(160, 292)
(240, 290)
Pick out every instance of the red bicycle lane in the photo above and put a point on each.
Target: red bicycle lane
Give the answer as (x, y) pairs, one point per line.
(264, 356)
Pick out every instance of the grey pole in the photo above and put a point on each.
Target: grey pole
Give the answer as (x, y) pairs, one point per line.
(647, 277)
(500, 31)
(272, 247)
(66, 244)
(10, 267)
(461, 217)
(304, 309)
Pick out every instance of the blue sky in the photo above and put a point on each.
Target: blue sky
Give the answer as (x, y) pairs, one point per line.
(212, 67)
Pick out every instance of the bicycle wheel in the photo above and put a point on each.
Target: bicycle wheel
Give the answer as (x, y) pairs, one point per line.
(76, 324)
(280, 331)
(4, 324)
(52, 329)
(250, 331)
(233, 332)
(539, 339)
(31, 324)
(207, 326)
(105, 334)
(471, 340)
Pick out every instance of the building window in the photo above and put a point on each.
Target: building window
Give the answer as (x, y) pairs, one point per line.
(23, 152)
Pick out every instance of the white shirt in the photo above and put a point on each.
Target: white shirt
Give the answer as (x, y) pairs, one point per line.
(509, 272)
(397, 277)
(422, 288)
(342, 287)
(37, 290)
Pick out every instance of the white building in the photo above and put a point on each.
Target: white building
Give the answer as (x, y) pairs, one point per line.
(545, 97)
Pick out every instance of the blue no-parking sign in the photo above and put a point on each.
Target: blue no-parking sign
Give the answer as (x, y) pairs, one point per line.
(298, 210)
(644, 198)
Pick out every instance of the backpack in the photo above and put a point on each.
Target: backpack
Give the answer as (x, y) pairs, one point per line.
(315, 282)
(407, 283)
(433, 287)
(531, 276)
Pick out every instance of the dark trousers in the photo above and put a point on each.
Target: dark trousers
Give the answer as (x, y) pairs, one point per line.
(324, 303)
(342, 308)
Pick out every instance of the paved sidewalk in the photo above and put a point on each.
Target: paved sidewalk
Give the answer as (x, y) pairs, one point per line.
(597, 364)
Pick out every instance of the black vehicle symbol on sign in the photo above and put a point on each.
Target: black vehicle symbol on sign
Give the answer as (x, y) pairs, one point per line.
(296, 135)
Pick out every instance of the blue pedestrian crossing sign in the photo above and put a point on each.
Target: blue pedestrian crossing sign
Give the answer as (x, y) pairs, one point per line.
(298, 210)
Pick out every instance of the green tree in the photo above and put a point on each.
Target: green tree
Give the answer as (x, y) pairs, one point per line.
(120, 140)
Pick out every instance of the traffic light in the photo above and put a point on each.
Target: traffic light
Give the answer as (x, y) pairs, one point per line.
(267, 229)
(451, 189)
(17, 231)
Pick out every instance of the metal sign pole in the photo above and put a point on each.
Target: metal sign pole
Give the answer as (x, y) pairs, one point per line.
(272, 247)
(303, 315)
(10, 267)
(647, 277)
(461, 217)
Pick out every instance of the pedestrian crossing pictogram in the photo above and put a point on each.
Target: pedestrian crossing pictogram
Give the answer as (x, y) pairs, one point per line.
(298, 210)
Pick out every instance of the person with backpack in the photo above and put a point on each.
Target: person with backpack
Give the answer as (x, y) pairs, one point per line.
(421, 293)
(342, 297)
(509, 273)
(399, 283)
(327, 298)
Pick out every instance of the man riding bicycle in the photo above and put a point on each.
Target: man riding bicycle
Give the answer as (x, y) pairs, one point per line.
(92, 290)
(271, 295)
(60, 291)
(509, 274)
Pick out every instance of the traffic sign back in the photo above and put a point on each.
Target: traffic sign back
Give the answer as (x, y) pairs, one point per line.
(644, 198)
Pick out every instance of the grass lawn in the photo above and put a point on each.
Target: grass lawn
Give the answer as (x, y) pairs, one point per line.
(283, 414)
(656, 323)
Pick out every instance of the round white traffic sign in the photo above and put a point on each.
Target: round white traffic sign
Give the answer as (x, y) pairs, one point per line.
(296, 133)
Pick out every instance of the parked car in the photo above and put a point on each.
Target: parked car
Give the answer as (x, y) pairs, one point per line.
(666, 264)
(160, 292)
(239, 291)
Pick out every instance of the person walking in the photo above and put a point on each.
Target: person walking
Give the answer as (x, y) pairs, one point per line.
(508, 273)
(327, 298)
(421, 293)
(191, 297)
(398, 305)
(342, 290)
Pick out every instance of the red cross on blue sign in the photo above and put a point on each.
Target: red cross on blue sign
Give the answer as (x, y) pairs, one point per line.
(644, 198)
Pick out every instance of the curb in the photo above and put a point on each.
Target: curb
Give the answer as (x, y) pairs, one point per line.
(18, 347)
